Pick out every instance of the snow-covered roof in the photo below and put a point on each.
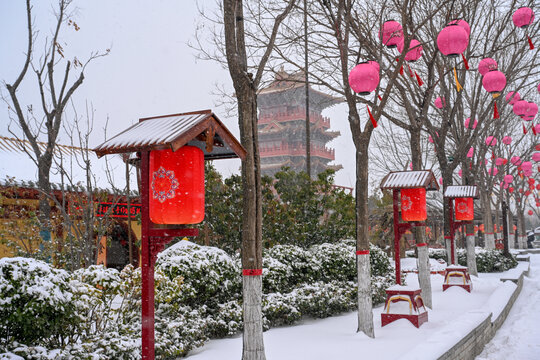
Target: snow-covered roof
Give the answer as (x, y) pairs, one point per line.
(410, 179)
(175, 131)
(459, 191)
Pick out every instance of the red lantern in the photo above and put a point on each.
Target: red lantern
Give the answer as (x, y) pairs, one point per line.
(536, 157)
(494, 82)
(491, 141)
(391, 33)
(440, 102)
(364, 78)
(530, 212)
(508, 178)
(415, 49)
(464, 209)
(177, 186)
(465, 25)
(515, 160)
(512, 97)
(452, 40)
(493, 171)
(510, 190)
(531, 111)
(487, 64)
(413, 204)
(507, 140)
(527, 193)
(523, 17)
(500, 161)
(521, 107)
(537, 186)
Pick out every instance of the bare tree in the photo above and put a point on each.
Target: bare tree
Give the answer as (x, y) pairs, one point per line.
(54, 96)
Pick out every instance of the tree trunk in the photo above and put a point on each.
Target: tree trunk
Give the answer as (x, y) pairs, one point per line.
(471, 254)
(365, 306)
(489, 239)
(44, 214)
(424, 269)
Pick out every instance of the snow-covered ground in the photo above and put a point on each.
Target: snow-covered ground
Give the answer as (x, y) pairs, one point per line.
(455, 311)
(519, 336)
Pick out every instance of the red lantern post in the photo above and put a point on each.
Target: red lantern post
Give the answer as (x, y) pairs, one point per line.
(172, 150)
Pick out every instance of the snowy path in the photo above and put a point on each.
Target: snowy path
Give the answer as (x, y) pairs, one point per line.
(519, 336)
(336, 337)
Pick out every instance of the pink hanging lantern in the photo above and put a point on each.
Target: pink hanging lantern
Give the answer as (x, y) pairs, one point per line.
(364, 78)
(507, 140)
(440, 180)
(460, 22)
(415, 49)
(440, 102)
(374, 64)
(523, 17)
(469, 124)
(530, 212)
(527, 165)
(493, 171)
(491, 141)
(515, 160)
(486, 65)
(531, 111)
(470, 153)
(508, 178)
(521, 108)
(500, 161)
(536, 157)
(452, 40)
(391, 33)
(494, 82)
(512, 97)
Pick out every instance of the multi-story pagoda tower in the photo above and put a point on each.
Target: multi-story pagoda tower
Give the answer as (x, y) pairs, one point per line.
(282, 126)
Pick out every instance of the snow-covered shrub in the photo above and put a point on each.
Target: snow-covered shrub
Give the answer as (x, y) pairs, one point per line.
(488, 260)
(280, 309)
(36, 304)
(380, 263)
(286, 266)
(322, 299)
(379, 284)
(333, 262)
(209, 274)
(226, 320)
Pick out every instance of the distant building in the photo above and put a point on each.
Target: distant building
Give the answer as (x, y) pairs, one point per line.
(282, 126)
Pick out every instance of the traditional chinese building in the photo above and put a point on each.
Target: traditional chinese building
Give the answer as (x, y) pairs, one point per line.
(282, 126)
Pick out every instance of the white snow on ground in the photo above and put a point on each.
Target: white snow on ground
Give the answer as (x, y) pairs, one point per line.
(519, 336)
(455, 311)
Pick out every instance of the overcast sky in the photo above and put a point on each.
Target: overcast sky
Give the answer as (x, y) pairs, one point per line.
(150, 69)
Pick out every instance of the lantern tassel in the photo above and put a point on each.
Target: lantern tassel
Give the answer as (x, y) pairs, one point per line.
(458, 86)
(401, 68)
(465, 62)
(380, 98)
(531, 45)
(420, 82)
(410, 71)
(533, 130)
(373, 122)
(524, 129)
(495, 111)
(493, 154)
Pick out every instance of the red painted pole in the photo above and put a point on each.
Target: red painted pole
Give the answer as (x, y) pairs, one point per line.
(147, 281)
(452, 231)
(397, 233)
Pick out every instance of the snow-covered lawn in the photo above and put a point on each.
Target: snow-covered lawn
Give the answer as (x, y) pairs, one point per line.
(455, 310)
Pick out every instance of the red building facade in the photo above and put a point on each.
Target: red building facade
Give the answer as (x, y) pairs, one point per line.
(282, 126)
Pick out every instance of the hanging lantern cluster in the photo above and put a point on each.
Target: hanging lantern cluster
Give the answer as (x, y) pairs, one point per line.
(522, 18)
(493, 80)
(526, 111)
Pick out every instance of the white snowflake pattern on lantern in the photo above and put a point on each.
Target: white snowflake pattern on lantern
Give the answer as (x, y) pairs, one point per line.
(462, 208)
(406, 203)
(164, 184)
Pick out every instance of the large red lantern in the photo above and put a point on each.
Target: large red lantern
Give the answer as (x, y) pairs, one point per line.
(452, 40)
(523, 17)
(391, 33)
(415, 49)
(177, 186)
(494, 82)
(364, 77)
(413, 204)
(486, 65)
(464, 209)
(521, 108)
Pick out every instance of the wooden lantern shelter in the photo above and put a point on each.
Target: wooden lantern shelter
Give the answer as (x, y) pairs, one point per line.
(201, 129)
(451, 194)
(405, 302)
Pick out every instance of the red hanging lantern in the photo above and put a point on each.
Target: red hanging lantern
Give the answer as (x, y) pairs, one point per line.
(508, 178)
(470, 153)
(391, 33)
(493, 171)
(364, 78)
(536, 157)
(507, 140)
(510, 190)
(413, 204)
(464, 209)
(470, 124)
(452, 40)
(537, 147)
(494, 82)
(537, 186)
(491, 141)
(177, 186)
(500, 161)
(415, 49)
(440, 102)
(531, 112)
(460, 22)
(521, 108)
(486, 65)
(530, 212)
(512, 97)
(523, 17)
(515, 160)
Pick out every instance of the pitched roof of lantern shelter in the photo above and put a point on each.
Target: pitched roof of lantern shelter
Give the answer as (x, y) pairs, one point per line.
(459, 191)
(410, 179)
